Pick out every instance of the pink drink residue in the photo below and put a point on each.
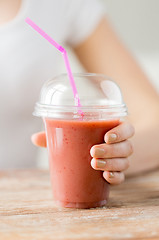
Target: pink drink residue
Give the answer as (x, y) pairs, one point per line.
(65, 57)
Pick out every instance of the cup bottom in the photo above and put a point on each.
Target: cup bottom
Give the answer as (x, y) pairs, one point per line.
(81, 205)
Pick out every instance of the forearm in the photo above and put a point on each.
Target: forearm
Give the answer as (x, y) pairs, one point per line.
(104, 53)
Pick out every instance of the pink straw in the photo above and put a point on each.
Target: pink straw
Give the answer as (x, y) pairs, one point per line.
(64, 54)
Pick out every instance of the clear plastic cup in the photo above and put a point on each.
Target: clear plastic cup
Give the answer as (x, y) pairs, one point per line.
(70, 135)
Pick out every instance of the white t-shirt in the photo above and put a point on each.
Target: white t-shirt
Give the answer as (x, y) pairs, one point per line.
(27, 60)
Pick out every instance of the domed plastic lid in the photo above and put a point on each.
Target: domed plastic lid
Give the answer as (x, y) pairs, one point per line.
(100, 98)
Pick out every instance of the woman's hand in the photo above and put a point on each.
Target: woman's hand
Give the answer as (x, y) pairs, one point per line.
(112, 156)
(39, 139)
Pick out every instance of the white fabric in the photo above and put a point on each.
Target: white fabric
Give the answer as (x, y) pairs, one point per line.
(27, 60)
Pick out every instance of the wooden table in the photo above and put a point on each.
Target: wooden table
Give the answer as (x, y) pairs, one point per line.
(27, 210)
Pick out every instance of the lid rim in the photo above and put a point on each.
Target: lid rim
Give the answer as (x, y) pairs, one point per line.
(44, 110)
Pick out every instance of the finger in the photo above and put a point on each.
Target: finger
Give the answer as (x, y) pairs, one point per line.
(112, 165)
(117, 150)
(120, 133)
(39, 139)
(114, 178)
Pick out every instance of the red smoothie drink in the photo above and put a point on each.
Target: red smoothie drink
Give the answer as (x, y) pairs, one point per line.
(72, 129)
(75, 183)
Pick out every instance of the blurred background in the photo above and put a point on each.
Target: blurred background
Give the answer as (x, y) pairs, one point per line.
(137, 25)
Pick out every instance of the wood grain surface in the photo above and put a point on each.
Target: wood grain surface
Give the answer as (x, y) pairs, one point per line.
(27, 210)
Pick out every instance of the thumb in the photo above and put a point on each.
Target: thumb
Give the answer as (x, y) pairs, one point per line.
(39, 139)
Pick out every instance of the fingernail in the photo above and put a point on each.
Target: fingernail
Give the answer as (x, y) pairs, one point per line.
(111, 174)
(100, 164)
(99, 152)
(112, 137)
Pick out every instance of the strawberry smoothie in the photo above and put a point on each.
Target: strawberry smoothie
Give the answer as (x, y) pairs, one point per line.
(72, 128)
(75, 183)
